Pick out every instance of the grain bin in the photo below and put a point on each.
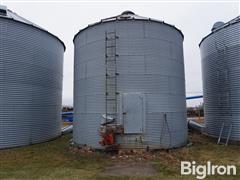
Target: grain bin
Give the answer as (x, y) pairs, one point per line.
(31, 72)
(220, 54)
(129, 86)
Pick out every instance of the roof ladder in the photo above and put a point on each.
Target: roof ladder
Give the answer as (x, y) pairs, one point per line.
(111, 74)
(224, 140)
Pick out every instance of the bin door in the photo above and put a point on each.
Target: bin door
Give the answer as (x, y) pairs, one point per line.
(133, 113)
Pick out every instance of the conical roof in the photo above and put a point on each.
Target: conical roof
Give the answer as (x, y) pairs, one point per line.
(8, 14)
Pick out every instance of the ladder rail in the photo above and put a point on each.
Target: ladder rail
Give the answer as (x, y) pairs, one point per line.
(111, 73)
(225, 102)
(228, 134)
(106, 72)
(220, 135)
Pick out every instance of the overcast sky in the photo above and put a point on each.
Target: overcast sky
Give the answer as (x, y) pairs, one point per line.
(66, 19)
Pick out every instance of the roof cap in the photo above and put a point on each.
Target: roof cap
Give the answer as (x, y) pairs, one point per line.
(3, 10)
(127, 12)
(217, 25)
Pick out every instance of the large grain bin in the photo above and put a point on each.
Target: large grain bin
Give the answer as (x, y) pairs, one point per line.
(220, 53)
(129, 79)
(31, 72)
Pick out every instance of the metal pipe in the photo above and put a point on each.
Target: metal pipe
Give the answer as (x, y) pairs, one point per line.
(195, 126)
(194, 97)
(67, 129)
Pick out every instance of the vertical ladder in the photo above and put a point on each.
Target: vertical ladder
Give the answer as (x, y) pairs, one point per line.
(223, 127)
(224, 98)
(111, 74)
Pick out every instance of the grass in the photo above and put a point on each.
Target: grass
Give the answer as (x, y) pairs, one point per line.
(54, 160)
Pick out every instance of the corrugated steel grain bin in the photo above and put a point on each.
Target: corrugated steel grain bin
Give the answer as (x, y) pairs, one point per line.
(129, 77)
(31, 72)
(220, 53)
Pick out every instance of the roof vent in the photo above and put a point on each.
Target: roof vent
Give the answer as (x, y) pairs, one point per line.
(217, 25)
(3, 10)
(127, 12)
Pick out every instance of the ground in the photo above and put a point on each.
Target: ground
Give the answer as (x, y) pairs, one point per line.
(55, 160)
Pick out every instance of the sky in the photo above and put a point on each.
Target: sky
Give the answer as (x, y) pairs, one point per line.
(65, 19)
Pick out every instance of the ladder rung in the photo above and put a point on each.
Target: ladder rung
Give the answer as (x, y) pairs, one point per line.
(112, 38)
(110, 46)
(111, 60)
(111, 97)
(111, 68)
(113, 56)
(111, 85)
(111, 32)
(113, 35)
(111, 76)
(116, 93)
(112, 94)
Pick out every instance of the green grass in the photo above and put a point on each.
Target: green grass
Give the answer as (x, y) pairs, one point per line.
(54, 160)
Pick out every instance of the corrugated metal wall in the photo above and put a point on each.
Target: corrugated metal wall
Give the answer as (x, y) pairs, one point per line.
(150, 62)
(220, 53)
(31, 67)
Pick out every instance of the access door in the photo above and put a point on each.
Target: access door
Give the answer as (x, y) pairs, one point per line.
(133, 113)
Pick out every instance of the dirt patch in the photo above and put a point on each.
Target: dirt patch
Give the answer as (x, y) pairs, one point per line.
(133, 169)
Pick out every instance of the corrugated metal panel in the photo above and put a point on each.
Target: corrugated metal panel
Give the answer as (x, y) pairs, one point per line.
(150, 61)
(220, 54)
(12, 16)
(31, 67)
